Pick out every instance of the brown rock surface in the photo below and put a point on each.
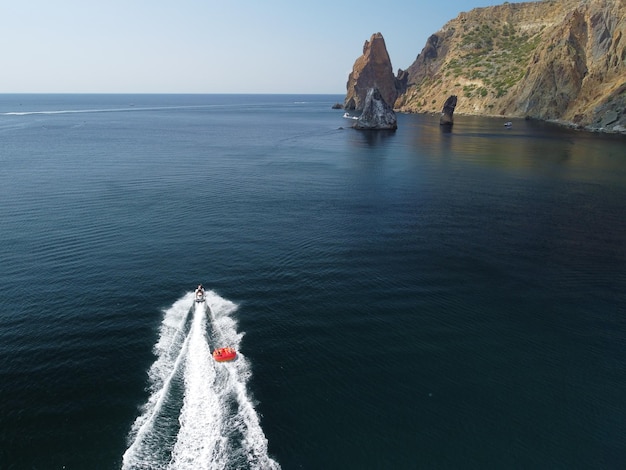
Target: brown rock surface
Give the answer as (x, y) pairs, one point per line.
(559, 60)
(371, 70)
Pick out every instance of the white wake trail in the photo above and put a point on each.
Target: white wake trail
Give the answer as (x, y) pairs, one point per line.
(200, 444)
(251, 451)
(146, 439)
(216, 424)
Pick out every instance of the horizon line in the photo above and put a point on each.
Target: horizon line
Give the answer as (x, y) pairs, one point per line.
(154, 93)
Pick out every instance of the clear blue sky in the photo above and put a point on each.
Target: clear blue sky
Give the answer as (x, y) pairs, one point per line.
(205, 46)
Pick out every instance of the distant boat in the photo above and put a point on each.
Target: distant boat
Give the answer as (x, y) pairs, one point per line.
(347, 116)
(508, 124)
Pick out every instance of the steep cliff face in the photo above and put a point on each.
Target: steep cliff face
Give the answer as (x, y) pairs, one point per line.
(377, 114)
(559, 60)
(371, 70)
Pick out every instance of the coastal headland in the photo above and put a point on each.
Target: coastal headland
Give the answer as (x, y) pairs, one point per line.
(561, 61)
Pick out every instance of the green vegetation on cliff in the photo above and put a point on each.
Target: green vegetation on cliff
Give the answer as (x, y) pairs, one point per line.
(493, 55)
(557, 60)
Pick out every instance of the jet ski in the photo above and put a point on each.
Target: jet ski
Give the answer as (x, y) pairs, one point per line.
(199, 294)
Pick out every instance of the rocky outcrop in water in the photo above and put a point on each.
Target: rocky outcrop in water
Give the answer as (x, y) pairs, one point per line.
(447, 113)
(372, 69)
(377, 114)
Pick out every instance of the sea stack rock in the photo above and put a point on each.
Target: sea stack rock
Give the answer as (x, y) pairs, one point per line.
(447, 112)
(377, 114)
(372, 69)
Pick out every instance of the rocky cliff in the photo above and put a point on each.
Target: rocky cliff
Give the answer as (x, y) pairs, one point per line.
(377, 114)
(562, 60)
(371, 70)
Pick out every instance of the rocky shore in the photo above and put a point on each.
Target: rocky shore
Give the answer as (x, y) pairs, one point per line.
(557, 61)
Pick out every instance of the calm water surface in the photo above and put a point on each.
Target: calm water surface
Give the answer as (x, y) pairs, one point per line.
(417, 299)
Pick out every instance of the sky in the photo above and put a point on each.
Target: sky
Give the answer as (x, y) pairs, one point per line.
(206, 46)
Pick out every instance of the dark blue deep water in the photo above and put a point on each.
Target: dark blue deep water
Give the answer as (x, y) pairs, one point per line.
(408, 300)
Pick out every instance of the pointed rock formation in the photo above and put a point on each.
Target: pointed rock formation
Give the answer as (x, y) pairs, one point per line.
(447, 118)
(377, 114)
(372, 69)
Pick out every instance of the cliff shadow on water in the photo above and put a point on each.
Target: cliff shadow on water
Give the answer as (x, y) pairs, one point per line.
(371, 138)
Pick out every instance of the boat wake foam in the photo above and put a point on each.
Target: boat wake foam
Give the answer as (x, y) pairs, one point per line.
(98, 110)
(199, 414)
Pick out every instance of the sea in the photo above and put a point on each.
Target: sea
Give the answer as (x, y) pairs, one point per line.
(429, 298)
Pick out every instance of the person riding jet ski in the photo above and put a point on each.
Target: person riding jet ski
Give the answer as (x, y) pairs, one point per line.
(200, 293)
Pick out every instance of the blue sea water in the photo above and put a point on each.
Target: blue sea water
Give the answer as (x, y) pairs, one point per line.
(428, 298)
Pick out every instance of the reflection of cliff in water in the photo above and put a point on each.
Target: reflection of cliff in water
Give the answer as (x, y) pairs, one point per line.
(371, 138)
(532, 145)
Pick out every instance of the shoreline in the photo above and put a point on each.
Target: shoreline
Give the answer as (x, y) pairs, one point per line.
(616, 130)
